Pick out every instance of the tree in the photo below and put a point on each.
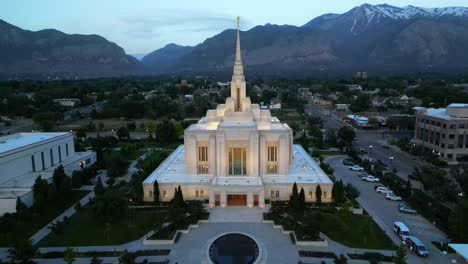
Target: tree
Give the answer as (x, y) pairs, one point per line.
(22, 211)
(58, 177)
(458, 229)
(341, 260)
(76, 179)
(122, 132)
(99, 187)
(400, 257)
(127, 258)
(181, 196)
(294, 198)
(346, 136)
(47, 120)
(166, 131)
(22, 252)
(318, 195)
(70, 256)
(40, 193)
(360, 104)
(408, 189)
(116, 165)
(156, 192)
(373, 121)
(96, 260)
(302, 202)
(110, 207)
(338, 193)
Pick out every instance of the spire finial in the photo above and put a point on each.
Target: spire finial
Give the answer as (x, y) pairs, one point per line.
(238, 22)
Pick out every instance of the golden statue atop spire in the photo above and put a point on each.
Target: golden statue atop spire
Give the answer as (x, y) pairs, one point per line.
(238, 22)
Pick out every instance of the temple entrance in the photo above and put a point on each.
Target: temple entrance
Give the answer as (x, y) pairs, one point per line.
(237, 199)
(237, 161)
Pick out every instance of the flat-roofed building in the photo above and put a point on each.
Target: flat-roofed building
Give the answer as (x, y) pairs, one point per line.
(444, 131)
(25, 156)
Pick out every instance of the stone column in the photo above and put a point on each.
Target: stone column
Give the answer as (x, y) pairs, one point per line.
(223, 198)
(250, 199)
(212, 155)
(261, 199)
(211, 199)
(262, 156)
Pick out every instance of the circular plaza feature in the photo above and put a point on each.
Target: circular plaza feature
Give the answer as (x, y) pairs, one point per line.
(234, 248)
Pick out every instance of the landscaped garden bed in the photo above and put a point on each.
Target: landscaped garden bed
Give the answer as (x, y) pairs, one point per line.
(356, 231)
(12, 228)
(372, 256)
(61, 254)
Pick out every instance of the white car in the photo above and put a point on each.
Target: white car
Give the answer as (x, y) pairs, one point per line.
(370, 178)
(392, 197)
(383, 189)
(356, 168)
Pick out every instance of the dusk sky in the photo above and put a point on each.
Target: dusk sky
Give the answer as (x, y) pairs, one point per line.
(141, 26)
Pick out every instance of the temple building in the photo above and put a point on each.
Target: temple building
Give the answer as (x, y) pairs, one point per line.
(238, 154)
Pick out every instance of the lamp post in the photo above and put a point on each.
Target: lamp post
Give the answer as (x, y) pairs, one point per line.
(391, 163)
(370, 151)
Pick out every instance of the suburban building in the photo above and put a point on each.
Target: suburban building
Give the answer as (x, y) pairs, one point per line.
(70, 102)
(443, 130)
(357, 120)
(238, 154)
(25, 156)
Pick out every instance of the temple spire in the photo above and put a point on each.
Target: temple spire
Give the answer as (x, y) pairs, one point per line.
(238, 68)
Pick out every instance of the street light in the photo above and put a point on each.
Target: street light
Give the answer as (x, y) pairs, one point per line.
(391, 162)
(370, 151)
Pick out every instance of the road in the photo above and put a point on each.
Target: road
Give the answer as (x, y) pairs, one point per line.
(365, 138)
(386, 212)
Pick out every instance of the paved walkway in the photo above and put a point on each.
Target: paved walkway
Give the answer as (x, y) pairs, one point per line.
(192, 247)
(237, 214)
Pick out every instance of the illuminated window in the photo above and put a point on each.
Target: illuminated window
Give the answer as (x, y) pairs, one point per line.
(238, 161)
(272, 160)
(202, 159)
(197, 193)
(164, 193)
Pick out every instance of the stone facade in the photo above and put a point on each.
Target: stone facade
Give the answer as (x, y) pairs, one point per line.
(238, 154)
(444, 131)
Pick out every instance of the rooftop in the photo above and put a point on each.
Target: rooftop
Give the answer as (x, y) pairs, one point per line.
(303, 169)
(15, 141)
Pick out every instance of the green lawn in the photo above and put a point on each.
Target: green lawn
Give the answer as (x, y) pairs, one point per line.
(12, 230)
(84, 230)
(350, 231)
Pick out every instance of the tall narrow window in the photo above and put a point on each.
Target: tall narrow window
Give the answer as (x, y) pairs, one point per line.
(42, 160)
(238, 161)
(33, 163)
(203, 159)
(66, 149)
(51, 157)
(60, 154)
(272, 162)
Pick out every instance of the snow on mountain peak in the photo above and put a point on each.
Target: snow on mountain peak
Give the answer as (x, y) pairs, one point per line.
(409, 12)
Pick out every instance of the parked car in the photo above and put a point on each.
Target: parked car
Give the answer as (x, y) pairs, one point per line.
(362, 150)
(393, 197)
(417, 246)
(356, 168)
(348, 162)
(383, 189)
(405, 209)
(401, 230)
(370, 178)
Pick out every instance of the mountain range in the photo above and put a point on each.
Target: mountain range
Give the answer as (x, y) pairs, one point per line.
(379, 39)
(50, 53)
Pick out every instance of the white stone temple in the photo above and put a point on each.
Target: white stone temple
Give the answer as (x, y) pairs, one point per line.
(239, 155)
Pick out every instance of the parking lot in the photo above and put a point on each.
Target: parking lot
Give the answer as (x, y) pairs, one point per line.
(385, 212)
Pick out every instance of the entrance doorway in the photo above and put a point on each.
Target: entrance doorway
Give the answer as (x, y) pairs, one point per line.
(237, 199)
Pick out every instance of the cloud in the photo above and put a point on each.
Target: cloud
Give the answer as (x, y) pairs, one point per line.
(176, 21)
